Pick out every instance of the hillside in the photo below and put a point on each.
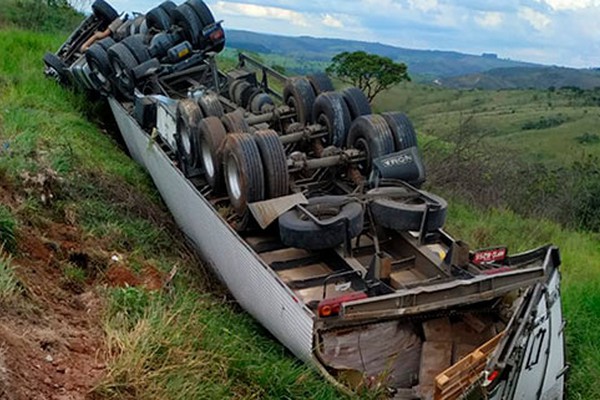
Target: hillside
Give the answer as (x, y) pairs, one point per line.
(519, 77)
(299, 54)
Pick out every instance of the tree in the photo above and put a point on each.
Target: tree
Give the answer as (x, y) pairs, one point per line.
(369, 72)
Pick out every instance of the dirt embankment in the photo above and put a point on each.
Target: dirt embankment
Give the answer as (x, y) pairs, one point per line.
(51, 336)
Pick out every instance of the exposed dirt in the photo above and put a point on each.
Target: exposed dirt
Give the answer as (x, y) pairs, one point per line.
(51, 339)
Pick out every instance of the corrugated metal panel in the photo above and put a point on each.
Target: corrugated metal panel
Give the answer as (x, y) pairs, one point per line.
(252, 283)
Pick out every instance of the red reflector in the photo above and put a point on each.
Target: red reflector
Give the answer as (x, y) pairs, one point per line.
(331, 307)
(216, 35)
(493, 376)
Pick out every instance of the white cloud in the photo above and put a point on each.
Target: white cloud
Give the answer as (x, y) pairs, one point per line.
(330, 20)
(256, 11)
(489, 19)
(570, 5)
(538, 20)
(423, 5)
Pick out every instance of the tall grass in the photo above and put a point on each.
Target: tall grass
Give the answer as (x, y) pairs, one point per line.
(9, 285)
(8, 224)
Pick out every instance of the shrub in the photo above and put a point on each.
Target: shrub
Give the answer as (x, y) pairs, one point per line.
(36, 15)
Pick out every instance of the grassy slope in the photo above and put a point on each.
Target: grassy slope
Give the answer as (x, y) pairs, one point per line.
(502, 115)
(189, 343)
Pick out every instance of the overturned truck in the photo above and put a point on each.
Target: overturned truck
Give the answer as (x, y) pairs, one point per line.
(308, 206)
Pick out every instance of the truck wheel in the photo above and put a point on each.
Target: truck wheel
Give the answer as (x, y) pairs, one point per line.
(186, 18)
(370, 134)
(53, 62)
(202, 11)
(138, 48)
(134, 28)
(330, 111)
(123, 31)
(296, 229)
(260, 103)
(357, 102)
(106, 43)
(299, 95)
(158, 19)
(101, 70)
(274, 163)
(242, 93)
(247, 94)
(399, 209)
(231, 90)
(123, 62)
(321, 83)
(235, 122)
(244, 175)
(168, 7)
(213, 137)
(210, 105)
(402, 129)
(189, 116)
(103, 11)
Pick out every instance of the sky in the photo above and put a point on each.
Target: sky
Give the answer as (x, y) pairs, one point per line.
(554, 32)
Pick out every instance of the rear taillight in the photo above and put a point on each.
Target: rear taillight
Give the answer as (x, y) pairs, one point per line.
(331, 307)
(216, 35)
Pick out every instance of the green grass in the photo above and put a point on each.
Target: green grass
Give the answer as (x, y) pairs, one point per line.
(8, 224)
(504, 116)
(9, 285)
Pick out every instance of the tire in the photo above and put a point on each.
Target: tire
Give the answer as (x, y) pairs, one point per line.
(202, 11)
(106, 43)
(134, 28)
(55, 63)
(210, 105)
(123, 62)
(186, 18)
(357, 102)
(247, 94)
(297, 230)
(238, 91)
(101, 70)
(320, 83)
(213, 136)
(261, 103)
(371, 134)
(189, 116)
(395, 208)
(168, 7)
(299, 95)
(244, 175)
(104, 11)
(402, 129)
(138, 48)
(330, 111)
(235, 122)
(274, 163)
(158, 19)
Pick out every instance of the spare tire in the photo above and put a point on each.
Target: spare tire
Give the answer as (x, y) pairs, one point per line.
(370, 134)
(299, 95)
(321, 83)
(357, 102)
(274, 163)
(401, 209)
(244, 175)
(330, 111)
(404, 133)
(213, 135)
(296, 229)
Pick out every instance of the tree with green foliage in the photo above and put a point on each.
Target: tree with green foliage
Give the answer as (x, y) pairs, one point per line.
(369, 72)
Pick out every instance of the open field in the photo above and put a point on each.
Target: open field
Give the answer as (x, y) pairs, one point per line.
(546, 126)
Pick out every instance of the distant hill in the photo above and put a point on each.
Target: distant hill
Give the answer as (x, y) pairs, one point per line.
(518, 77)
(310, 53)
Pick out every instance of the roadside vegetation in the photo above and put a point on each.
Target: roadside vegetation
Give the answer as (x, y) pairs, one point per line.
(185, 338)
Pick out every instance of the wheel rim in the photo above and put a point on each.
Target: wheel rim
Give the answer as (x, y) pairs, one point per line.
(233, 178)
(121, 75)
(362, 145)
(186, 141)
(207, 160)
(104, 83)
